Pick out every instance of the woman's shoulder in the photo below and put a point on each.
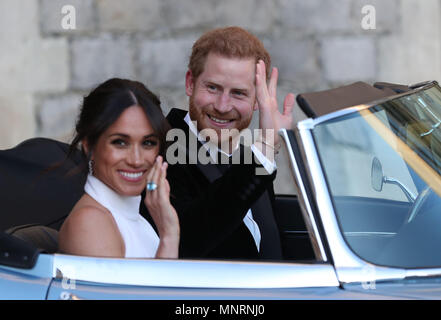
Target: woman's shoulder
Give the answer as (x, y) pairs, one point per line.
(89, 213)
(89, 227)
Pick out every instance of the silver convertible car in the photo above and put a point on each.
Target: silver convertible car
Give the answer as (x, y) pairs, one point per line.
(365, 223)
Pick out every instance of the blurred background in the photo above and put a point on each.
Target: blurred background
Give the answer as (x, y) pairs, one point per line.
(316, 44)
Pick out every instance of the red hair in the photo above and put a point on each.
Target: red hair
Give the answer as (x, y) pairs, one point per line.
(230, 42)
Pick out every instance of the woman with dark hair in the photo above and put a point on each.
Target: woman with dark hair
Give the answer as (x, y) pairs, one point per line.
(122, 132)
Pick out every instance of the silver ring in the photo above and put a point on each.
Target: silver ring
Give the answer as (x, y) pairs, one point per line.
(151, 186)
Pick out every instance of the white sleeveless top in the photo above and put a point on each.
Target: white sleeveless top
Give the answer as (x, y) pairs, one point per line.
(140, 239)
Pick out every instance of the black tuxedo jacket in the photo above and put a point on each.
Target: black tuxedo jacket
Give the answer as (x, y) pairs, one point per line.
(211, 206)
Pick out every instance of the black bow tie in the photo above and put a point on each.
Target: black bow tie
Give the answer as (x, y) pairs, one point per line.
(223, 162)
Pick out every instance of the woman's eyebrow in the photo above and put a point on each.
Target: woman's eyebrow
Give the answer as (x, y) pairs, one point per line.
(123, 135)
(151, 135)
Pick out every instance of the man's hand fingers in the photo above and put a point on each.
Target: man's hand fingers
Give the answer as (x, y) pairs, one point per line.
(272, 87)
(262, 93)
(288, 104)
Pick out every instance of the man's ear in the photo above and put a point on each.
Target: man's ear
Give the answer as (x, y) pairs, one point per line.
(189, 83)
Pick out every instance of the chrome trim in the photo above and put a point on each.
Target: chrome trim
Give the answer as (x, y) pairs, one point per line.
(421, 84)
(316, 241)
(310, 123)
(421, 273)
(193, 273)
(369, 233)
(409, 194)
(417, 204)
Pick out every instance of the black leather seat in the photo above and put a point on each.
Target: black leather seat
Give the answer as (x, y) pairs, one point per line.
(43, 238)
(38, 188)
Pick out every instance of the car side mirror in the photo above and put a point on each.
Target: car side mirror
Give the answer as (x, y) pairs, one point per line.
(377, 178)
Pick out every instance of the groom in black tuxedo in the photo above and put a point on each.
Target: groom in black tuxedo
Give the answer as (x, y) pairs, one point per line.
(225, 211)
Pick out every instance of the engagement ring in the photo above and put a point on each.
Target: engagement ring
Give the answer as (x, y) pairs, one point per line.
(151, 186)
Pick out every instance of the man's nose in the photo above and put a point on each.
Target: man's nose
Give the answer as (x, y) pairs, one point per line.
(224, 103)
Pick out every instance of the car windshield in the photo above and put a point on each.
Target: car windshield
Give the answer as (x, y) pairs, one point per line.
(382, 165)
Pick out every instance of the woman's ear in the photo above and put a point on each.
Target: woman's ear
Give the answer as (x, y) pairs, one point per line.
(85, 146)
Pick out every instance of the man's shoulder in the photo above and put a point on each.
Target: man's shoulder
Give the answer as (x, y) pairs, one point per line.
(176, 116)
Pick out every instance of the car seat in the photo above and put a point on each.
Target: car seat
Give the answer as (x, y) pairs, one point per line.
(38, 188)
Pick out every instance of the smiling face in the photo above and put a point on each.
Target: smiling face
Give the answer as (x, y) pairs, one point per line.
(125, 152)
(223, 96)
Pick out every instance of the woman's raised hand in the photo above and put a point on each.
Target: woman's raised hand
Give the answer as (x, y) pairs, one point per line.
(164, 215)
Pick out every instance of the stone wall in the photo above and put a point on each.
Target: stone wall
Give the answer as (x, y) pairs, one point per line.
(317, 44)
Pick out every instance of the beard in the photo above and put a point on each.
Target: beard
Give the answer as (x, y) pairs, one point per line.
(199, 115)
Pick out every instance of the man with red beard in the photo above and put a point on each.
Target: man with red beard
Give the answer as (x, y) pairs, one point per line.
(226, 211)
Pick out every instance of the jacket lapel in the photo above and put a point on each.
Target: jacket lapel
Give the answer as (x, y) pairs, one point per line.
(176, 120)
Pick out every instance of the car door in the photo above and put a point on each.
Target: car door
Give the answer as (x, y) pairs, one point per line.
(102, 278)
(303, 275)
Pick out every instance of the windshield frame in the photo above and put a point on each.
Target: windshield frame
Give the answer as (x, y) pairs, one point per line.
(311, 123)
(347, 263)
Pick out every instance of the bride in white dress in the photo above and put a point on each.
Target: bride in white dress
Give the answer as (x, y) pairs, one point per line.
(122, 133)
